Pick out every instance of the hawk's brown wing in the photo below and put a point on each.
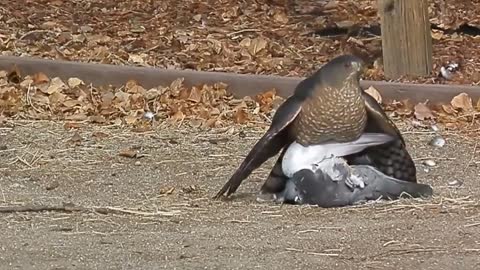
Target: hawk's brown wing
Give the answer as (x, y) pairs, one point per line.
(276, 137)
(268, 146)
(391, 158)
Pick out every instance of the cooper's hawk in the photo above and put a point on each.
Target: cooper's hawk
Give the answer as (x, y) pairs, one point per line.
(329, 109)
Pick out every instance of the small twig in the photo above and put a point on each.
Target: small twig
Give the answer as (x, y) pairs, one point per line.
(151, 48)
(471, 225)
(408, 251)
(29, 99)
(34, 32)
(419, 132)
(240, 221)
(430, 157)
(242, 31)
(74, 208)
(25, 162)
(3, 196)
(472, 157)
(313, 253)
(39, 208)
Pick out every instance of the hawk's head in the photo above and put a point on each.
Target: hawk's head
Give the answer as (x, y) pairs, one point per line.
(342, 68)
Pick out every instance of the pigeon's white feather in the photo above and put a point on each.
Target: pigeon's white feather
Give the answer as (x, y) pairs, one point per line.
(299, 157)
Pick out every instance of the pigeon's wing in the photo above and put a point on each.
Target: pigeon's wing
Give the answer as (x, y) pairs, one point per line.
(269, 145)
(379, 185)
(318, 188)
(391, 158)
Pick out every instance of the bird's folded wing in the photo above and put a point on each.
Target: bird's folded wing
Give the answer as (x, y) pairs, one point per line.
(378, 121)
(391, 158)
(268, 146)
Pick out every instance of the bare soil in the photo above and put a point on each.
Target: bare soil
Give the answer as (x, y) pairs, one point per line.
(168, 221)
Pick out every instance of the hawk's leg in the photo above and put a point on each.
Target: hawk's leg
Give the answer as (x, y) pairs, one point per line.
(275, 183)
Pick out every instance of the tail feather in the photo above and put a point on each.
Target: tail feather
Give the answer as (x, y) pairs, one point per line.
(391, 159)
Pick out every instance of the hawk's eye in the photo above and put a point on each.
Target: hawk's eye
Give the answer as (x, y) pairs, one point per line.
(348, 65)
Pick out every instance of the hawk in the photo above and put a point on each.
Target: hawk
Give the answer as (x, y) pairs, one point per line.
(327, 110)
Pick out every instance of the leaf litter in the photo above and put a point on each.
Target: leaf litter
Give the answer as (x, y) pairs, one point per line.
(202, 106)
(290, 38)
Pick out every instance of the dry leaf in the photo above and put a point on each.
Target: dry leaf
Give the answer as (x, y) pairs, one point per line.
(463, 102)
(167, 191)
(240, 116)
(98, 119)
(195, 95)
(257, 44)
(210, 122)
(129, 153)
(138, 59)
(245, 42)
(39, 78)
(422, 112)
(437, 35)
(130, 119)
(197, 17)
(372, 91)
(76, 138)
(216, 45)
(99, 135)
(74, 82)
(70, 103)
(77, 117)
(448, 109)
(280, 17)
(56, 85)
(178, 116)
(71, 125)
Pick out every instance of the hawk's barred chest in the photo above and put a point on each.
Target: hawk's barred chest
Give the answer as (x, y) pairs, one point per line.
(331, 113)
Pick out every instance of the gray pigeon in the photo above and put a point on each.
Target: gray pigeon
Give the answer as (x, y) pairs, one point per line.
(334, 184)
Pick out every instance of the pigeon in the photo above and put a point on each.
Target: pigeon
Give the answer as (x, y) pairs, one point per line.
(334, 183)
(327, 109)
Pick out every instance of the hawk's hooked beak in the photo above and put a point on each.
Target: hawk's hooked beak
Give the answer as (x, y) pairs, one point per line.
(359, 67)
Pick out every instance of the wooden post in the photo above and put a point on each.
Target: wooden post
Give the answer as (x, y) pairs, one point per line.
(406, 37)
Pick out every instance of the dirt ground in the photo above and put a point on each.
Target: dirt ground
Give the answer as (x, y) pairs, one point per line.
(168, 221)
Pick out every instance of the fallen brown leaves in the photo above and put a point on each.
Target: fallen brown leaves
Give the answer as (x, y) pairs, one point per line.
(459, 112)
(261, 37)
(204, 106)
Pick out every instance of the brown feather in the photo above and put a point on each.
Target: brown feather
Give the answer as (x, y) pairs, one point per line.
(392, 158)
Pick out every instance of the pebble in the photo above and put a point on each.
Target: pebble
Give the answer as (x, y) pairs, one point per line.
(435, 128)
(455, 183)
(437, 142)
(149, 115)
(138, 163)
(17, 185)
(52, 185)
(429, 163)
